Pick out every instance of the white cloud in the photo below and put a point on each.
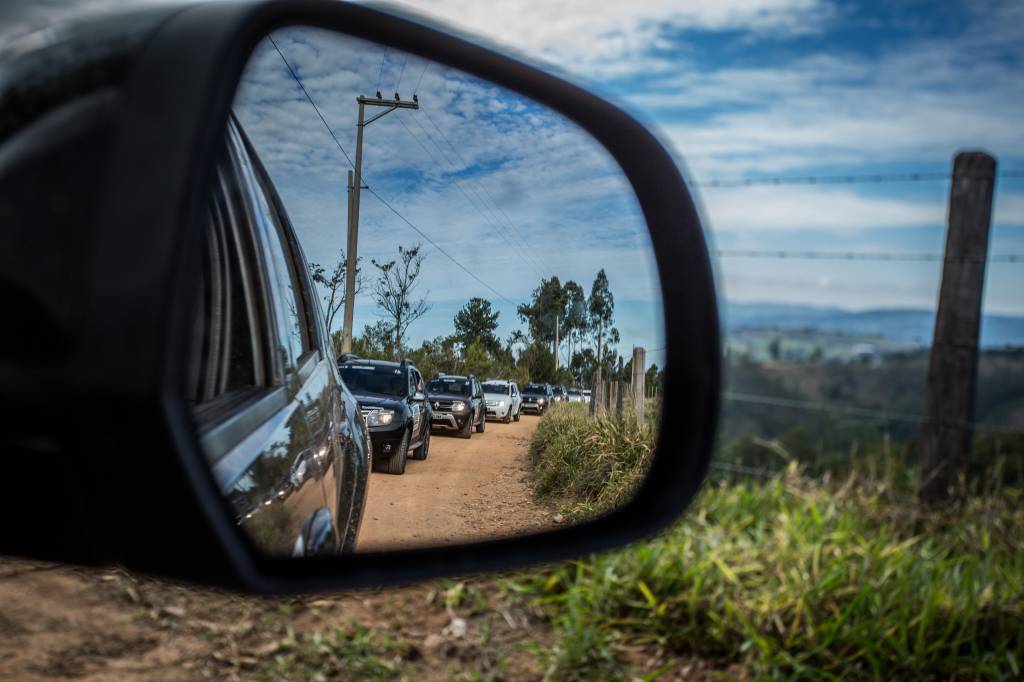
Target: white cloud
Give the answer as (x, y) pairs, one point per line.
(593, 35)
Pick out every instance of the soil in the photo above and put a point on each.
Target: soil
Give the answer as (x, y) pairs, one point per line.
(465, 490)
(67, 623)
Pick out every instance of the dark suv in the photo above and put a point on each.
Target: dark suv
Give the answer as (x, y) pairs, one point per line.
(537, 398)
(282, 434)
(457, 404)
(394, 406)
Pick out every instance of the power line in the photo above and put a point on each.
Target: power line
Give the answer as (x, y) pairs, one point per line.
(482, 206)
(508, 220)
(419, 80)
(371, 190)
(401, 73)
(315, 107)
(435, 244)
(380, 74)
(849, 179)
(862, 256)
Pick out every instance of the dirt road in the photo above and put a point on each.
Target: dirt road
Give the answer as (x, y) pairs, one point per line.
(465, 490)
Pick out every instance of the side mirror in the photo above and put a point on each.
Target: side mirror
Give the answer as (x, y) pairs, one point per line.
(419, 396)
(188, 311)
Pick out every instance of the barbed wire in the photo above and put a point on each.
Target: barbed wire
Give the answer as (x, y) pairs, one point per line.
(843, 179)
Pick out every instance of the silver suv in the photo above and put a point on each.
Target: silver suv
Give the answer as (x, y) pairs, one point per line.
(503, 400)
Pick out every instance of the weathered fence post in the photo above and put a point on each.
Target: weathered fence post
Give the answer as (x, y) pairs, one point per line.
(595, 393)
(619, 389)
(946, 427)
(639, 392)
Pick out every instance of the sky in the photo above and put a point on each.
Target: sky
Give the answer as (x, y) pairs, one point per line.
(734, 88)
(507, 191)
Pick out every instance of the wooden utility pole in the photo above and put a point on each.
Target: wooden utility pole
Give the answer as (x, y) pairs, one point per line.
(353, 208)
(556, 344)
(946, 427)
(639, 375)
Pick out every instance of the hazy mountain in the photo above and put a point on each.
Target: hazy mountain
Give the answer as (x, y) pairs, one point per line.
(906, 326)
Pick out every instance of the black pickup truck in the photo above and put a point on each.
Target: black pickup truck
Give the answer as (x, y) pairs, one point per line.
(457, 404)
(394, 406)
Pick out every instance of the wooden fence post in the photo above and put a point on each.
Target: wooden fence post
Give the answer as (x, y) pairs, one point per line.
(639, 374)
(595, 393)
(946, 427)
(619, 389)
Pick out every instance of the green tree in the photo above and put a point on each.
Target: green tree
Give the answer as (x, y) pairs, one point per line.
(601, 307)
(394, 292)
(436, 355)
(576, 320)
(475, 323)
(546, 305)
(539, 361)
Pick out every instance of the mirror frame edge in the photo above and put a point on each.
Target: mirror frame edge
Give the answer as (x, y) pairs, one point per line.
(208, 46)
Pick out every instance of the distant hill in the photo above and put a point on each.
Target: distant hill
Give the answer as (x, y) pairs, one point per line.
(903, 325)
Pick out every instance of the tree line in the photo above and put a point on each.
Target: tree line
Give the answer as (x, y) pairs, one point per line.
(559, 317)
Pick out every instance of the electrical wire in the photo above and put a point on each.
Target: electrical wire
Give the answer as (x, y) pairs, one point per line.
(437, 246)
(315, 107)
(522, 237)
(481, 208)
(380, 74)
(401, 73)
(419, 80)
(371, 190)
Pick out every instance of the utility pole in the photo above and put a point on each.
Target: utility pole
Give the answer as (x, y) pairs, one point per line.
(946, 428)
(556, 342)
(353, 208)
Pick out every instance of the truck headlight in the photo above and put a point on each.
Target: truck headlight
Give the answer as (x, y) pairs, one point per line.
(458, 406)
(380, 417)
(540, 400)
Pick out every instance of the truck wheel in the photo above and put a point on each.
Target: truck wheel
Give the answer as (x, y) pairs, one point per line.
(395, 464)
(519, 413)
(467, 430)
(508, 416)
(422, 450)
(483, 423)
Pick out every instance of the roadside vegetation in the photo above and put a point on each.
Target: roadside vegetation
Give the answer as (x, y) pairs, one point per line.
(793, 576)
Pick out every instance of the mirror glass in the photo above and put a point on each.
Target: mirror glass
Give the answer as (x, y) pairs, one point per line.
(423, 300)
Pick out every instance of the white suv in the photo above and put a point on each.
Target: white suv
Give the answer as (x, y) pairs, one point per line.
(503, 400)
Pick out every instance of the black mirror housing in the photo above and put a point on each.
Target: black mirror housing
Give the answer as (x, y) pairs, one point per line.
(142, 493)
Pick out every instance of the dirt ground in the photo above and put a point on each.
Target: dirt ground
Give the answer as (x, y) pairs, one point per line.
(65, 623)
(465, 490)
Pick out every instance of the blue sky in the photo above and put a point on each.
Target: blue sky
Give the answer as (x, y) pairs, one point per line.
(751, 88)
(736, 88)
(508, 189)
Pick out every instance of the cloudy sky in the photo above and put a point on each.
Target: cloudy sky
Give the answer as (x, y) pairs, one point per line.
(737, 88)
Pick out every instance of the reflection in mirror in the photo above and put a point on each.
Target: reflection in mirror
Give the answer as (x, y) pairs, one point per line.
(423, 301)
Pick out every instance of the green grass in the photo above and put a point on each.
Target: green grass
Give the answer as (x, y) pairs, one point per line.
(792, 578)
(617, 448)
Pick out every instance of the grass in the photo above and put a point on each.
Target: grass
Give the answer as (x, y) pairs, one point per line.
(343, 653)
(793, 577)
(618, 450)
